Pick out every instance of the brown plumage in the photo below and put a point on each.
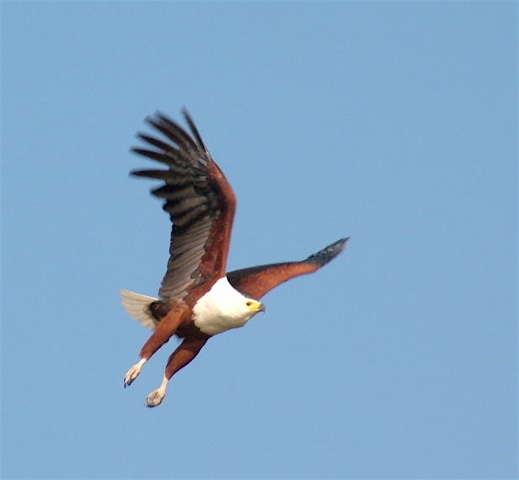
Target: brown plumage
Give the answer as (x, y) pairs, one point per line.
(197, 298)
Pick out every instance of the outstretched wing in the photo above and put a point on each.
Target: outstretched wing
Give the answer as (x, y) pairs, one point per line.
(199, 200)
(255, 282)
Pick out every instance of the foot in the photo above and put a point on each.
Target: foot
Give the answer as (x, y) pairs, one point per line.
(155, 398)
(133, 373)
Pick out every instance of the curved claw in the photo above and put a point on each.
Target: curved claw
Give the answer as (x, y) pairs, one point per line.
(155, 398)
(133, 373)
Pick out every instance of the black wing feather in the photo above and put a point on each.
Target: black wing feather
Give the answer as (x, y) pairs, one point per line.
(191, 198)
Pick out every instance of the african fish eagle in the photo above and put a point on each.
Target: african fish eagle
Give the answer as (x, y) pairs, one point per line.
(198, 299)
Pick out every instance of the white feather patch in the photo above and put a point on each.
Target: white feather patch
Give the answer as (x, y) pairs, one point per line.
(137, 306)
(221, 309)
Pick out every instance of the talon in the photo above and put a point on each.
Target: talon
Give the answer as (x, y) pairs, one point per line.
(155, 398)
(133, 373)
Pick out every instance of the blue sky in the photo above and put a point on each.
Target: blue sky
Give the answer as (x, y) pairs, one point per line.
(394, 123)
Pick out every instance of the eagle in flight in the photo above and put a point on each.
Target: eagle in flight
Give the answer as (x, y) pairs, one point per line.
(198, 298)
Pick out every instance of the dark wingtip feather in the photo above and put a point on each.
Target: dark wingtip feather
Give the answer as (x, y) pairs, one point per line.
(157, 156)
(158, 174)
(193, 128)
(155, 142)
(171, 129)
(327, 254)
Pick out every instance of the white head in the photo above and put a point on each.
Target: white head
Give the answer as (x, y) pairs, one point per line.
(223, 308)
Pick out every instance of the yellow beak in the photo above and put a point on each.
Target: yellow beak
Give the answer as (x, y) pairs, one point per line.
(255, 306)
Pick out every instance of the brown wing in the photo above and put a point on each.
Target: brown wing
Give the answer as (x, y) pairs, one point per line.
(199, 200)
(255, 282)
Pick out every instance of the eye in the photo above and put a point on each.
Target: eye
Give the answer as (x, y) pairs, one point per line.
(249, 303)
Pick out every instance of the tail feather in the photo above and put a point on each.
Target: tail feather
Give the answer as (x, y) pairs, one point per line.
(137, 306)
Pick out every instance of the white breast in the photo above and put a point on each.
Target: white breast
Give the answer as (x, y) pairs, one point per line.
(221, 309)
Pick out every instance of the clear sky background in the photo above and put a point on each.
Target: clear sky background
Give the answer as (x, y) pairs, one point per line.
(394, 123)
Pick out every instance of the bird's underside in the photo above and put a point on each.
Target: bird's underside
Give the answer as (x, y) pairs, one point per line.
(197, 298)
